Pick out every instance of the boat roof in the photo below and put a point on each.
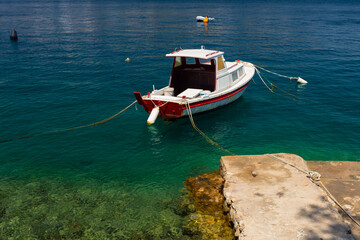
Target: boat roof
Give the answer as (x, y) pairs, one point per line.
(195, 53)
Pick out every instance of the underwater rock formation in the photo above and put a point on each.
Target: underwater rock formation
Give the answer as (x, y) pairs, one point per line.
(89, 208)
(43, 208)
(207, 218)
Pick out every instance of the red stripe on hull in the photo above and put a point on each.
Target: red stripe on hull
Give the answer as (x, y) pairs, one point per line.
(218, 98)
(172, 110)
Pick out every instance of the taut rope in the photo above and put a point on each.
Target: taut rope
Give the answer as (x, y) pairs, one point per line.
(208, 139)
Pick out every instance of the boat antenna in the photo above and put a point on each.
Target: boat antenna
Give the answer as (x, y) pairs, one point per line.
(177, 48)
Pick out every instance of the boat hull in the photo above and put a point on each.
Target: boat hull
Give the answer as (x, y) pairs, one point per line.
(173, 110)
(211, 104)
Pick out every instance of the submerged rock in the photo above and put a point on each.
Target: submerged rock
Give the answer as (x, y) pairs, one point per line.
(182, 205)
(209, 219)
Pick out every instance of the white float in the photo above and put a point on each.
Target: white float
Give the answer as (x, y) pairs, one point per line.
(201, 19)
(153, 115)
(301, 81)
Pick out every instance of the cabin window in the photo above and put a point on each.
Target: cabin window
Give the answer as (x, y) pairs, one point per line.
(190, 61)
(177, 62)
(220, 63)
(205, 61)
(235, 76)
(241, 71)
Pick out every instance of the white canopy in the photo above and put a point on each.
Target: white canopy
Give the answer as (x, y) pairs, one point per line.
(195, 53)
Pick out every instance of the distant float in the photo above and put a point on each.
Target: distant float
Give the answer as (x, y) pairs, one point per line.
(201, 80)
(201, 18)
(13, 35)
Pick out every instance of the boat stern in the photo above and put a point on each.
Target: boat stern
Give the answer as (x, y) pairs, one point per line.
(162, 108)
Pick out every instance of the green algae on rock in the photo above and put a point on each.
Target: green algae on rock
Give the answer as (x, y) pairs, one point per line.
(208, 218)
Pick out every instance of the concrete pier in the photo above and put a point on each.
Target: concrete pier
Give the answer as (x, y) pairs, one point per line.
(269, 199)
(342, 179)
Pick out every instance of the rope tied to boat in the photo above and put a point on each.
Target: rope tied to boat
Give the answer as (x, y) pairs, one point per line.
(277, 74)
(208, 139)
(273, 86)
(155, 105)
(73, 128)
(271, 90)
(298, 79)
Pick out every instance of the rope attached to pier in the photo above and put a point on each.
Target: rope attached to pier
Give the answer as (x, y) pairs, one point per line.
(313, 175)
(208, 139)
(68, 129)
(316, 178)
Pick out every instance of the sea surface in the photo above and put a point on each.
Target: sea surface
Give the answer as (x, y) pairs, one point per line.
(118, 180)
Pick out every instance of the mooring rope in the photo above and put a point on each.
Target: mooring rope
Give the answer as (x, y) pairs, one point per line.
(273, 86)
(316, 178)
(208, 139)
(68, 129)
(313, 175)
(160, 105)
(283, 91)
(257, 71)
(277, 74)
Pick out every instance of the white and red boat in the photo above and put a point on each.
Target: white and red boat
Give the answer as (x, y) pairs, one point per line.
(201, 80)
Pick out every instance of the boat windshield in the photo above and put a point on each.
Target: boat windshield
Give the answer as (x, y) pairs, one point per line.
(192, 73)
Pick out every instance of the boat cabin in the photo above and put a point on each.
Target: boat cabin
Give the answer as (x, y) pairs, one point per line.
(200, 69)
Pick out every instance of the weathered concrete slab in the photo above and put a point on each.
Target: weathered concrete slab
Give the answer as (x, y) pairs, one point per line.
(271, 200)
(342, 179)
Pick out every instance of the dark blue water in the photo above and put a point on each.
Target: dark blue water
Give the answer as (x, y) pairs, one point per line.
(117, 179)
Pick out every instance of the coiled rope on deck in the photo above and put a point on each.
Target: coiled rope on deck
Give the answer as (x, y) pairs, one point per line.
(313, 175)
(68, 129)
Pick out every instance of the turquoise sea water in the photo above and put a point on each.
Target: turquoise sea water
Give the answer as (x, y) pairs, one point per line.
(118, 179)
